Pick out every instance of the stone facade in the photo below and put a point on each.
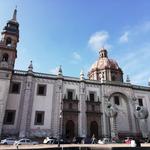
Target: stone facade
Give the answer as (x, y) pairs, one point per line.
(37, 105)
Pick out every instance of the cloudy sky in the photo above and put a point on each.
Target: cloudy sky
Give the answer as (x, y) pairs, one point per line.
(71, 32)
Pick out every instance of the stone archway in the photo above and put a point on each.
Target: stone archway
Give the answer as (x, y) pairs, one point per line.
(70, 129)
(122, 121)
(94, 129)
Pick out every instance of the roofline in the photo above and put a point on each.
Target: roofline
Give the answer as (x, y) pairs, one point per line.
(75, 79)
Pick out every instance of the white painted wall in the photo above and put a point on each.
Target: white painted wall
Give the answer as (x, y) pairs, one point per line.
(43, 103)
(13, 103)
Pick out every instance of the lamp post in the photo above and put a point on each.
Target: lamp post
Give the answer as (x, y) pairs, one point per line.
(59, 134)
(60, 121)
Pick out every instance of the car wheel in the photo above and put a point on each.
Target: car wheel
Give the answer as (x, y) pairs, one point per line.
(5, 143)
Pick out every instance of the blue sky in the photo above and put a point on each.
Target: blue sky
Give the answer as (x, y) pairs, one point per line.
(71, 32)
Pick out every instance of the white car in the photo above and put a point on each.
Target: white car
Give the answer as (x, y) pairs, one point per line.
(8, 141)
(104, 141)
(48, 140)
(25, 142)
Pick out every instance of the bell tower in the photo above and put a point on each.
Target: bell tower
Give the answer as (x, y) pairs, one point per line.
(8, 55)
(8, 43)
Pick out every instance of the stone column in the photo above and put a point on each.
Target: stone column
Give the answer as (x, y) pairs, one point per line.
(82, 127)
(4, 90)
(5, 77)
(27, 107)
(57, 109)
(105, 123)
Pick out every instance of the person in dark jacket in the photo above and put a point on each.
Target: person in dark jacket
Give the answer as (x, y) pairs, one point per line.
(138, 143)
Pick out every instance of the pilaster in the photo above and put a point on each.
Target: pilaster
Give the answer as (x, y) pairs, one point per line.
(57, 109)
(82, 131)
(27, 107)
(105, 120)
(5, 77)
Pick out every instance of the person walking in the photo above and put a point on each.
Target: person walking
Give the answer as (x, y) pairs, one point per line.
(138, 143)
(93, 139)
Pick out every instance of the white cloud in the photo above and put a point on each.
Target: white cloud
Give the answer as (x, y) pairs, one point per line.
(135, 64)
(125, 37)
(135, 32)
(98, 40)
(76, 56)
(54, 70)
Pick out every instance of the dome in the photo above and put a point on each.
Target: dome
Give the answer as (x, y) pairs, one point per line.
(105, 68)
(104, 62)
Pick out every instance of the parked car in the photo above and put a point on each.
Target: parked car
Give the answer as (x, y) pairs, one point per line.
(25, 141)
(61, 141)
(78, 140)
(48, 140)
(104, 141)
(8, 141)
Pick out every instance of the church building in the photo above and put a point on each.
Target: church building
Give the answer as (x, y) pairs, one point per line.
(34, 104)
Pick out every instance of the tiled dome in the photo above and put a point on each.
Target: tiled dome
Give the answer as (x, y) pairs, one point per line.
(105, 68)
(104, 62)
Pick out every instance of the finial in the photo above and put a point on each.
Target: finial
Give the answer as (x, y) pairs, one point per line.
(81, 75)
(30, 68)
(128, 79)
(59, 71)
(103, 47)
(15, 14)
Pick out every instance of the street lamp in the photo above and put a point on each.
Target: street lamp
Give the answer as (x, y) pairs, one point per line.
(60, 123)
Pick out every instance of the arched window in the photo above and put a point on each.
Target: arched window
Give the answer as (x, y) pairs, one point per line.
(5, 57)
(8, 41)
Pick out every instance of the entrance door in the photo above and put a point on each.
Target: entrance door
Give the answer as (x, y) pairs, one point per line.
(94, 129)
(70, 129)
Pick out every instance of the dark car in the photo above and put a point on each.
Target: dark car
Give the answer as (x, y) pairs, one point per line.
(61, 141)
(78, 140)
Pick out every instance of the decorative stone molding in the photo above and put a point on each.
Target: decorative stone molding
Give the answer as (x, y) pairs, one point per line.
(141, 112)
(110, 110)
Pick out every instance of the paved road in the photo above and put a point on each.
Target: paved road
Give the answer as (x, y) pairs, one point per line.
(40, 146)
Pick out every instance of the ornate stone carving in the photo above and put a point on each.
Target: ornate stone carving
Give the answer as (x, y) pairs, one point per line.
(141, 112)
(110, 110)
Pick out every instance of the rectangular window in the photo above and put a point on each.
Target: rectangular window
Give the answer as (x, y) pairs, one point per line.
(39, 118)
(70, 95)
(116, 100)
(140, 101)
(15, 87)
(9, 117)
(92, 96)
(41, 89)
